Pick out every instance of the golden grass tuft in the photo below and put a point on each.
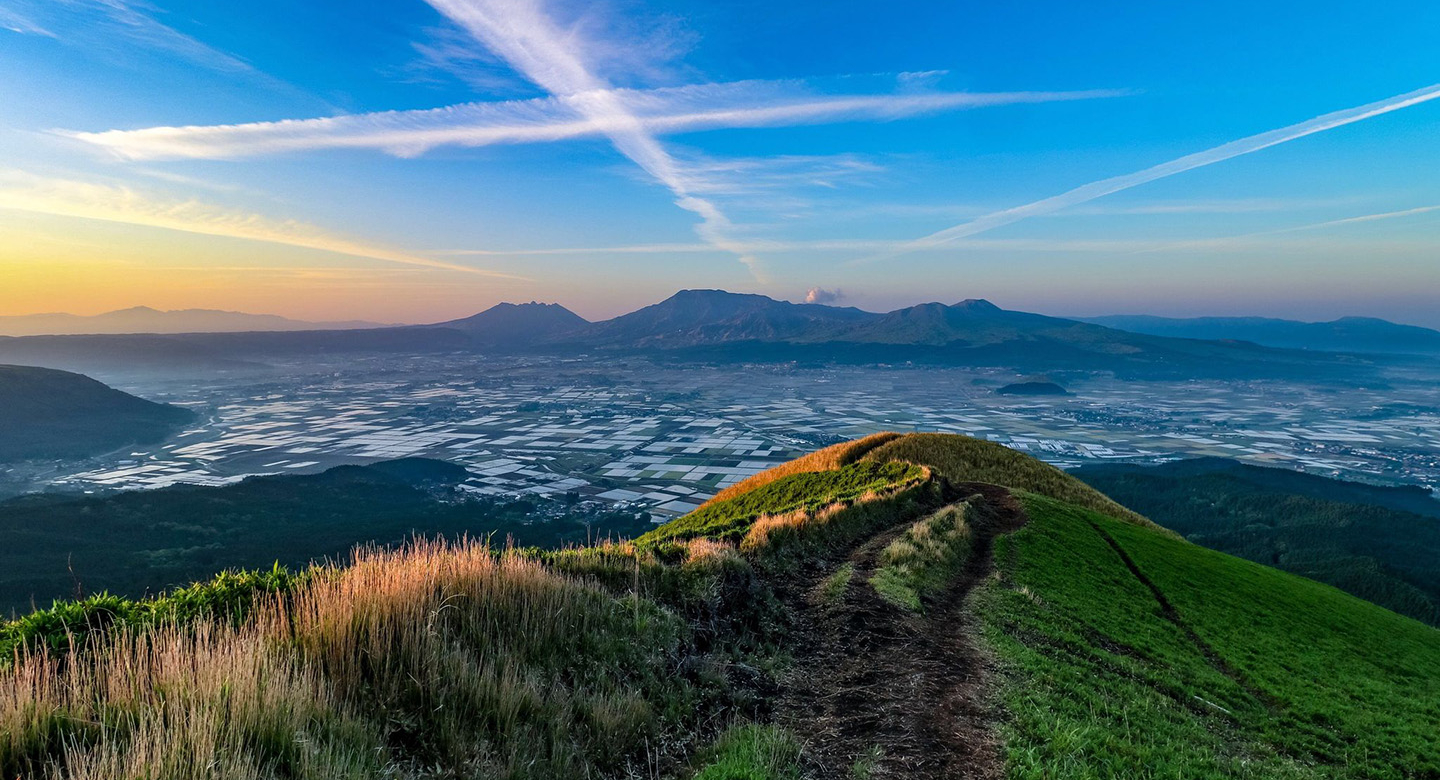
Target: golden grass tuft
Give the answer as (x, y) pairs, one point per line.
(171, 703)
(434, 655)
(827, 459)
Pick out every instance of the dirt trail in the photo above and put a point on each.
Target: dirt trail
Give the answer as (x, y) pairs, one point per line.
(879, 692)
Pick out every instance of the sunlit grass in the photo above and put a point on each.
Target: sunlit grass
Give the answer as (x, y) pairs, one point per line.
(923, 561)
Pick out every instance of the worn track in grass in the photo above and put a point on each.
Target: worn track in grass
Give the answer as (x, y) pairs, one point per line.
(879, 692)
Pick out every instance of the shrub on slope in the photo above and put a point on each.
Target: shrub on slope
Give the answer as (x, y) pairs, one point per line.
(1128, 653)
(964, 459)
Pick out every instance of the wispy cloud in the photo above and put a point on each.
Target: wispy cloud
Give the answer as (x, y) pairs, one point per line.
(1248, 237)
(1359, 219)
(21, 191)
(1271, 240)
(658, 112)
(1104, 187)
(16, 22)
(97, 25)
(522, 34)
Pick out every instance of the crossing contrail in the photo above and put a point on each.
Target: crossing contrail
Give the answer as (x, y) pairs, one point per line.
(1100, 189)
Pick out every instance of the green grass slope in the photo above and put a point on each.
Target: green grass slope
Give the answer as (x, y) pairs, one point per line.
(1128, 653)
(732, 518)
(1340, 533)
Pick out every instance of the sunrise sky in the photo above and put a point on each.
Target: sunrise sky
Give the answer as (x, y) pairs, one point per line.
(412, 161)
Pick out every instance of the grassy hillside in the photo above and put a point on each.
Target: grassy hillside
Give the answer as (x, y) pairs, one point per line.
(919, 626)
(434, 660)
(963, 459)
(733, 518)
(56, 414)
(1369, 541)
(1131, 654)
(827, 459)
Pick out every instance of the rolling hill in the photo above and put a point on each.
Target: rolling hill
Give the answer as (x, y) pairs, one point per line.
(1347, 334)
(46, 413)
(698, 317)
(715, 325)
(918, 606)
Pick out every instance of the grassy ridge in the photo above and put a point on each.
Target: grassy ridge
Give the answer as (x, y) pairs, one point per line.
(827, 459)
(1124, 651)
(1242, 671)
(964, 459)
(731, 519)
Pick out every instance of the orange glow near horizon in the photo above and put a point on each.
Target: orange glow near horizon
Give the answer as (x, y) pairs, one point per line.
(57, 264)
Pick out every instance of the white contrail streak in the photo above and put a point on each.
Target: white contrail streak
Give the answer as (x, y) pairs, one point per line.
(1115, 184)
(660, 112)
(1226, 240)
(519, 32)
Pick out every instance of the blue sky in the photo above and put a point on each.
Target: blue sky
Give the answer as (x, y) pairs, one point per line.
(414, 161)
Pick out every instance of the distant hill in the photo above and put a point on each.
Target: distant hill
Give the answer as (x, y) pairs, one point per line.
(46, 413)
(1032, 388)
(1381, 544)
(722, 326)
(1347, 334)
(143, 319)
(512, 325)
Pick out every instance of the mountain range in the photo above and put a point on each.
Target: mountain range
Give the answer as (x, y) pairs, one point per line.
(143, 319)
(1347, 334)
(720, 326)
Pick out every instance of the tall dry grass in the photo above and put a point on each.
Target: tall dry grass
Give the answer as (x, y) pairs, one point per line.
(827, 459)
(166, 702)
(441, 657)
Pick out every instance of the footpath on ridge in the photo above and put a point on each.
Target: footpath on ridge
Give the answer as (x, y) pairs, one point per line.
(877, 691)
